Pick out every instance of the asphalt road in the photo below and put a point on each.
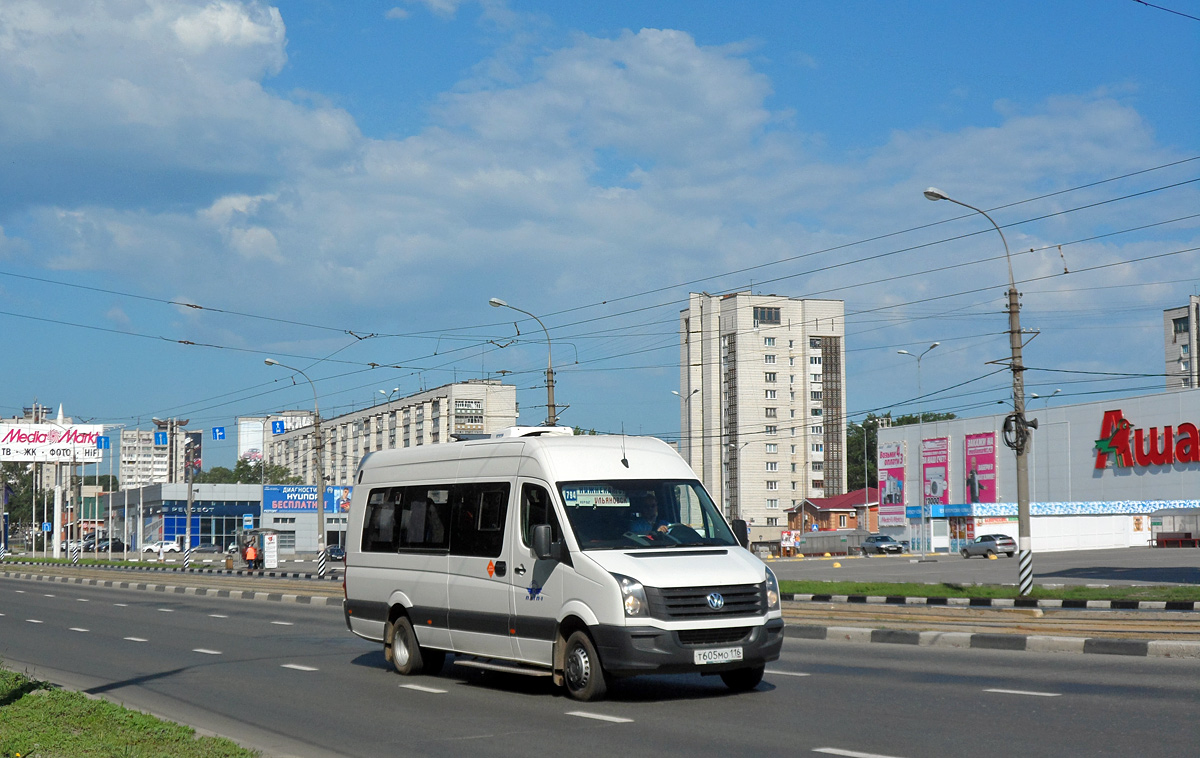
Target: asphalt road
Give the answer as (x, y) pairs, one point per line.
(1123, 566)
(290, 680)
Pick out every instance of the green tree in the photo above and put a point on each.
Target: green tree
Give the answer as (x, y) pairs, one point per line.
(912, 418)
(246, 472)
(18, 476)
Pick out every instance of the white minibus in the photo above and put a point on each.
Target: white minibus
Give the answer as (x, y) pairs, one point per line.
(581, 558)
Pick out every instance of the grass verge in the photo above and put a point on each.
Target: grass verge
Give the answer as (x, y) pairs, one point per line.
(38, 720)
(1163, 593)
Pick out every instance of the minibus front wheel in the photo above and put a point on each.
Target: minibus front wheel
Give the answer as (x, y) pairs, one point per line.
(582, 673)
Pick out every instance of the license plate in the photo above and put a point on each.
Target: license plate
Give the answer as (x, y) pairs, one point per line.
(720, 655)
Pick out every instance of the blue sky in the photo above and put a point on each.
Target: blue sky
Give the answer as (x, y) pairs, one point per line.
(343, 186)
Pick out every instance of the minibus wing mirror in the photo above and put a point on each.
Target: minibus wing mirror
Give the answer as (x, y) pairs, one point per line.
(541, 542)
(741, 533)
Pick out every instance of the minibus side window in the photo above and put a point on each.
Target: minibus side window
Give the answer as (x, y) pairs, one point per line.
(379, 523)
(536, 508)
(424, 517)
(478, 515)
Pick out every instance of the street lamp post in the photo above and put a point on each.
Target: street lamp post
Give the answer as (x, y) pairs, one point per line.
(1016, 428)
(320, 454)
(866, 474)
(921, 441)
(687, 403)
(551, 409)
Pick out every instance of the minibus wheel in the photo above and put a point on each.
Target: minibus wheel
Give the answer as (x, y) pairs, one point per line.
(402, 641)
(582, 673)
(743, 680)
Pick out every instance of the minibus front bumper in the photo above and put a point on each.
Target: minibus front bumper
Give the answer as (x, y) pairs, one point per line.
(630, 650)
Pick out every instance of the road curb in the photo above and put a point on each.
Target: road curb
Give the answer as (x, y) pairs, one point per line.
(989, 641)
(194, 570)
(272, 597)
(999, 602)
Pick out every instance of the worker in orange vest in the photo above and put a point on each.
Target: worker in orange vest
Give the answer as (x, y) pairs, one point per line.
(251, 556)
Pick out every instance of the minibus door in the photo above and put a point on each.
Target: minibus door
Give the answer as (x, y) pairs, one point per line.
(480, 571)
(537, 586)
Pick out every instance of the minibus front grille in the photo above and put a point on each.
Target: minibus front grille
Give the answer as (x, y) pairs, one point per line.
(713, 636)
(693, 602)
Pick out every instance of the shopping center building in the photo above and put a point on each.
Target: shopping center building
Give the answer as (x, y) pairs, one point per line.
(1097, 473)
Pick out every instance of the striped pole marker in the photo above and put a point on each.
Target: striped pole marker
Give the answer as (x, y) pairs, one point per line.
(1025, 571)
(321, 565)
(75, 553)
(187, 557)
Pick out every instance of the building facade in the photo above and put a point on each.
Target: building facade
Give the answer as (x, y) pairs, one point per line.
(148, 457)
(1097, 471)
(474, 408)
(762, 411)
(1181, 334)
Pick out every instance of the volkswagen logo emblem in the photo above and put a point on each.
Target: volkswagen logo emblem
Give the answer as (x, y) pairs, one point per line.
(715, 601)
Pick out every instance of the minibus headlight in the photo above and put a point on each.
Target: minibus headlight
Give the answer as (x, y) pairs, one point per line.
(772, 591)
(633, 596)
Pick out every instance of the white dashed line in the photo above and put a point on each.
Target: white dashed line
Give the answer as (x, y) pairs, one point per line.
(166, 610)
(33, 621)
(419, 688)
(1026, 692)
(48, 595)
(136, 639)
(19, 592)
(849, 753)
(283, 623)
(121, 605)
(298, 667)
(788, 673)
(217, 616)
(81, 599)
(599, 717)
(79, 629)
(206, 652)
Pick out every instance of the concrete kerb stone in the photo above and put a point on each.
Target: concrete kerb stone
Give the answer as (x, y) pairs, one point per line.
(279, 597)
(1173, 649)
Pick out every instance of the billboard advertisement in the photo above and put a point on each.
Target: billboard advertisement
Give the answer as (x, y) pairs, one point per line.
(250, 439)
(891, 483)
(302, 498)
(50, 443)
(935, 471)
(980, 461)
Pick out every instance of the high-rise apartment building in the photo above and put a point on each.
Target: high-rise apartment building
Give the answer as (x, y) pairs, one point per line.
(475, 408)
(1181, 328)
(762, 410)
(148, 458)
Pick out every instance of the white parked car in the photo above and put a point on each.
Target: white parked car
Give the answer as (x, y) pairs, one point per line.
(166, 547)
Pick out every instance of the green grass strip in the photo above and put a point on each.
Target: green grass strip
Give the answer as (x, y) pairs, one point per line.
(1158, 592)
(38, 720)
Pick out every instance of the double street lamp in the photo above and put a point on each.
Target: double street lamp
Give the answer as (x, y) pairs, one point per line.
(318, 447)
(920, 440)
(1016, 427)
(551, 408)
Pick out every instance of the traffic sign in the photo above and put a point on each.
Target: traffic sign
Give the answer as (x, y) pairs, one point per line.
(247, 520)
(277, 427)
(45, 526)
(160, 439)
(218, 432)
(102, 443)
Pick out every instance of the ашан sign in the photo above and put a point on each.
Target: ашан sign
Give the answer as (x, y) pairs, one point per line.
(1127, 446)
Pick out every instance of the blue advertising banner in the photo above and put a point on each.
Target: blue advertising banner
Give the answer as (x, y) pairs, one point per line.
(293, 498)
(938, 510)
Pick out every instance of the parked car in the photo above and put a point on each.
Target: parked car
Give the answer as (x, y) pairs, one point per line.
(990, 544)
(66, 545)
(335, 552)
(164, 546)
(118, 546)
(207, 547)
(880, 544)
(233, 548)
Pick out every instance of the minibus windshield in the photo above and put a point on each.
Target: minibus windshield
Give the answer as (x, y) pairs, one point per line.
(643, 513)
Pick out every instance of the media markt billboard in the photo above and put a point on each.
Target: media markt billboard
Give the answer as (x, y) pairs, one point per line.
(50, 443)
(302, 498)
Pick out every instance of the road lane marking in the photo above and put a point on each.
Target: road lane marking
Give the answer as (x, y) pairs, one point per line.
(206, 652)
(599, 717)
(81, 599)
(850, 753)
(217, 616)
(20, 592)
(1026, 692)
(33, 621)
(789, 673)
(79, 629)
(49, 596)
(136, 639)
(283, 623)
(298, 667)
(121, 605)
(166, 610)
(419, 688)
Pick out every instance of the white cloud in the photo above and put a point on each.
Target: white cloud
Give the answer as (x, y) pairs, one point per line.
(443, 8)
(396, 14)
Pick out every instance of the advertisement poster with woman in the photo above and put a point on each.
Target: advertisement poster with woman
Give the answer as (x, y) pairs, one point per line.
(891, 483)
(980, 460)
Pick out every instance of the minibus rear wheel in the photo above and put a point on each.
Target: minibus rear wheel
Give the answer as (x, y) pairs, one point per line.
(402, 641)
(582, 673)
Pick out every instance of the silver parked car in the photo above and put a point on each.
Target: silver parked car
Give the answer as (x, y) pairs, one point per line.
(990, 544)
(881, 544)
